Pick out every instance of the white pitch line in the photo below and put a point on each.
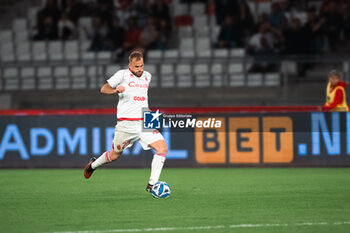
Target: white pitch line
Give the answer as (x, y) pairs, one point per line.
(210, 227)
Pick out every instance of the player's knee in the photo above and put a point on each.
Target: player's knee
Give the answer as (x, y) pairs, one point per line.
(163, 149)
(114, 155)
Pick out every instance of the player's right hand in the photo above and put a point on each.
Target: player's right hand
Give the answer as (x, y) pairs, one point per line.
(120, 89)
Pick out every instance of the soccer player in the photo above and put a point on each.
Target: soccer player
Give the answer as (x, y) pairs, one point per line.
(132, 87)
(336, 96)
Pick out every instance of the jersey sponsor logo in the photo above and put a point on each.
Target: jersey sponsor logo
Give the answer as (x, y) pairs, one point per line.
(138, 85)
(139, 98)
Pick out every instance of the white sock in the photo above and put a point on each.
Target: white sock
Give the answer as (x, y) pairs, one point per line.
(104, 158)
(156, 167)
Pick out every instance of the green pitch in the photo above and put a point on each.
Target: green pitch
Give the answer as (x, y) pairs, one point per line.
(202, 200)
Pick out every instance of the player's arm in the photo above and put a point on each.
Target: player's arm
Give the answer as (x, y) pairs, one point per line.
(107, 89)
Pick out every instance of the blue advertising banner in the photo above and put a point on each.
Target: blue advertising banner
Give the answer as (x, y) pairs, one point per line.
(251, 139)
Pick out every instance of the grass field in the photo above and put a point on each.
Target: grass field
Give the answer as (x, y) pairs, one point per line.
(202, 200)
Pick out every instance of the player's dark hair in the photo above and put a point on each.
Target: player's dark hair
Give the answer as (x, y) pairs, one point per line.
(137, 54)
(335, 73)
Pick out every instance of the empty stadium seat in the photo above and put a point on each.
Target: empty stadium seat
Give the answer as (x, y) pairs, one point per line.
(85, 54)
(39, 51)
(11, 80)
(84, 24)
(71, 50)
(217, 68)
(187, 48)
(95, 77)
(55, 49)
(197, 9)
(104, 56)
(202, 80)
(78, 77)
(235, 68)
(200, 69)
(220, 53)
(151, 68)
(237, 52)
(184, 81)
(7, 52)
(111, 70)
(23, 52)
(202, 32)
(6, 36)
(19, 24)
(62, 80)
(236, 80)
(171, 54)
(185, 32)
(272, 79)
(183, 69)
(200, 21)
(167, 80)
(28, 78)
(214, 32)
(166, 69)
(218, 80)
(180, 9)
(31, 16)
(203, 48)
(289, 67)
(21, 36)
(45, 79)
(154, 55)
(254, 80)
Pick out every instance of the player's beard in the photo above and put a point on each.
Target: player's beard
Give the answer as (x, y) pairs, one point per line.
(141, 72)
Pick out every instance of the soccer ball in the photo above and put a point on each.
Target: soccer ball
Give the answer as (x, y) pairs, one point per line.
(161, 190)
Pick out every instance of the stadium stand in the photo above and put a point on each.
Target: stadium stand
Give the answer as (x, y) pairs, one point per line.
(186, 56)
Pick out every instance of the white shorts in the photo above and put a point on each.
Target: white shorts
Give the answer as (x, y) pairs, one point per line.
(124, 138)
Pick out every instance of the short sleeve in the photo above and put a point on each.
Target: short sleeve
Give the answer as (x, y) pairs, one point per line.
(116, 79)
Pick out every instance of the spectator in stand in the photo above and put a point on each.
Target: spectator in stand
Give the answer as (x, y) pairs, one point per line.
(97, 35)
(246, 20)
(124, 9)
(104, 11)
(66, 28)
(149, 35)
(276, 15)
(230, 34)
(266, 31)
(143, 12)
(224, 8)
(52, 10)
(260, 62)
(315, 27)
(115, 35)
(160, 11)
(334, 24)
(297, 39)
(164, 35)
(263, 20)
(132, 35)
(47, 30)
(75, 9)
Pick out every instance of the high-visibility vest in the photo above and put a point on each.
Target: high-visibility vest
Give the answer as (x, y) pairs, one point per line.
(341, 107)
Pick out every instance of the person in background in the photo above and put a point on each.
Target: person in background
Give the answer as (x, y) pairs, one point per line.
(335, 93)
(66, 28)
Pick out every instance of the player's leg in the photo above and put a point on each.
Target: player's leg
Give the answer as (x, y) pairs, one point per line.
(120, 142)
(156, 141)
(158, 160)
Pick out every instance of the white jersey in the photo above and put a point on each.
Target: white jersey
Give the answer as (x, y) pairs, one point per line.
(135, 97)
